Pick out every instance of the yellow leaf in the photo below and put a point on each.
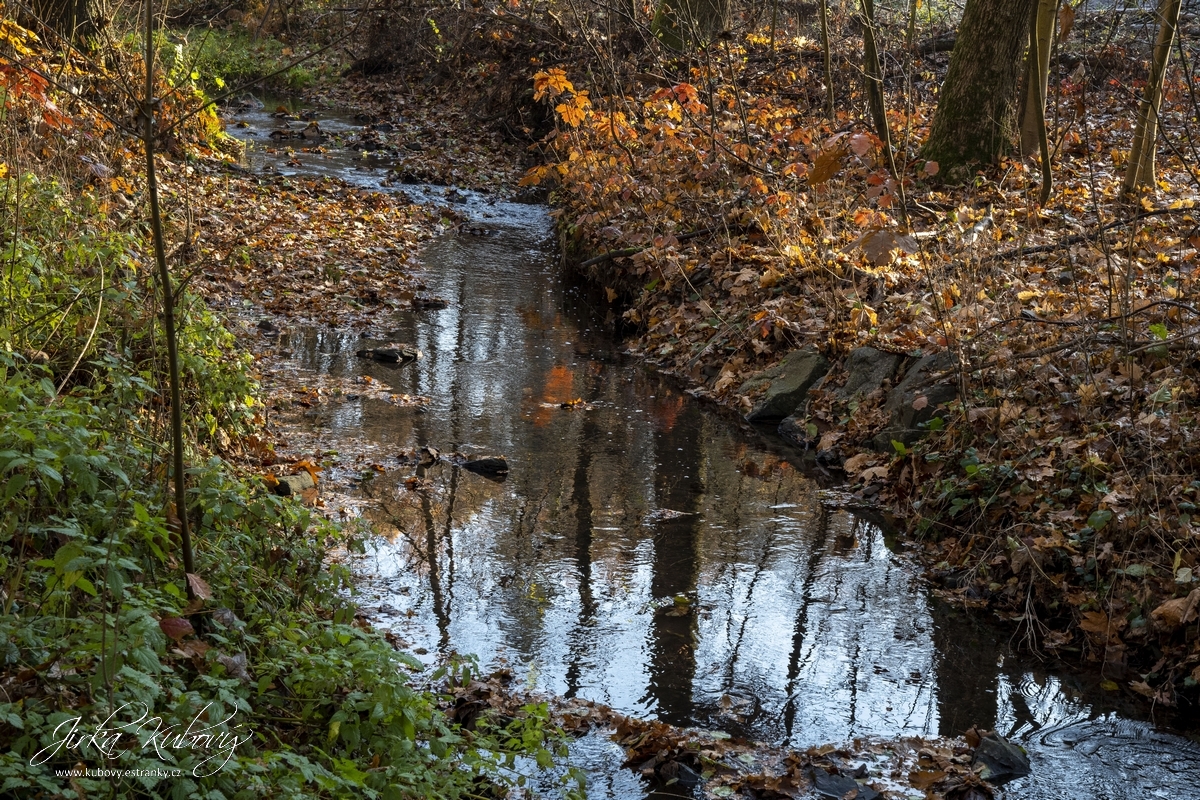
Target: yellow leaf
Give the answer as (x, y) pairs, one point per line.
(863, 317)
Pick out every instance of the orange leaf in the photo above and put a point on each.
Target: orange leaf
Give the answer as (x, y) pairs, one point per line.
(828, 163)
(1066, 21)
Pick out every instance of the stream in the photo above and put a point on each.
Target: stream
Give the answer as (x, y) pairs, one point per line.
(797, 623)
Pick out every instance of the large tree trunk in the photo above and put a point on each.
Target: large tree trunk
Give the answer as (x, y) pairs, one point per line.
(68, 19)
(976, 118)
(1139, 172)
(682, 24)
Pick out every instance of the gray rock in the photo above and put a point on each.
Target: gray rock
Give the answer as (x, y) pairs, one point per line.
(794, 431)
(787, 384)
(1001, 759)
(290, 485)
(866, 370)
(932, 378)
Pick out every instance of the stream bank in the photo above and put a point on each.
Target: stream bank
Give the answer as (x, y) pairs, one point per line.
(640, 552)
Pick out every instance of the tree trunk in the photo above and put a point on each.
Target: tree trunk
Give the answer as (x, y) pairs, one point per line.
(1139, 173)
(1032, 118)
(873, 73)
(65, 18)
(976, 119)
(684, 24)
(831, 111)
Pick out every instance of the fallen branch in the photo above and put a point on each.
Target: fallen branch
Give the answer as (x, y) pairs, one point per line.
(633, 251)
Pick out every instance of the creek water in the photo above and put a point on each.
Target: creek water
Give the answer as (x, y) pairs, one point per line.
(796, 623)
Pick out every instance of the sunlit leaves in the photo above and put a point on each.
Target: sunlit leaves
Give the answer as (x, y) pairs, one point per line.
(551, 83)
(16, 37)
(574, 112)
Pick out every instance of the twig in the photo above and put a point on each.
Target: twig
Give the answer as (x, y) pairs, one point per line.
(1083, 237)
(632, 251)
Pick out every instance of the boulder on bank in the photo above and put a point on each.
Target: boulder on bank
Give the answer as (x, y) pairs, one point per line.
(787, 385)
(866, 370)
(914, 401)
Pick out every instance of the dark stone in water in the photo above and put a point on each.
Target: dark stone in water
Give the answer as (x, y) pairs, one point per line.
(294, 485)
(795, 432)
(432, 303)
(400, 354)
(840, 786)
(487, 465)
(1002, 760)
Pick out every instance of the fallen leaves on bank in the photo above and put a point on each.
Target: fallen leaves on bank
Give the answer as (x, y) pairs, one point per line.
(312, 250)
(713, 764)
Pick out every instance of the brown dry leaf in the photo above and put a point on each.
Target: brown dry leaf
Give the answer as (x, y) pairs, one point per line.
(176, 627)
(874, 473)
(856, 464)
(199, 586)
(828, 163)
(1176, 613)
(924, 779)
(1142, 688)
(1066, 21)
(1094, 622)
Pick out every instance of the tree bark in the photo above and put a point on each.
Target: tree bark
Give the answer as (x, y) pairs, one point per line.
(65, 18)
(685, 24)
(830, 101)
(1139, 173)
(976, 119)
(1033, 117)
(873, 72)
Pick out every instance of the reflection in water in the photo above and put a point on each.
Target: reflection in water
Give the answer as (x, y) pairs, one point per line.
(801, 625)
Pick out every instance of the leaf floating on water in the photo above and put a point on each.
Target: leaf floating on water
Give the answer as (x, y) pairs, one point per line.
(663, 514)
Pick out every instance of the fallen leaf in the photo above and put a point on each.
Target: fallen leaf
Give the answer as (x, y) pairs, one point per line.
(176, 627)
(199, 587)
